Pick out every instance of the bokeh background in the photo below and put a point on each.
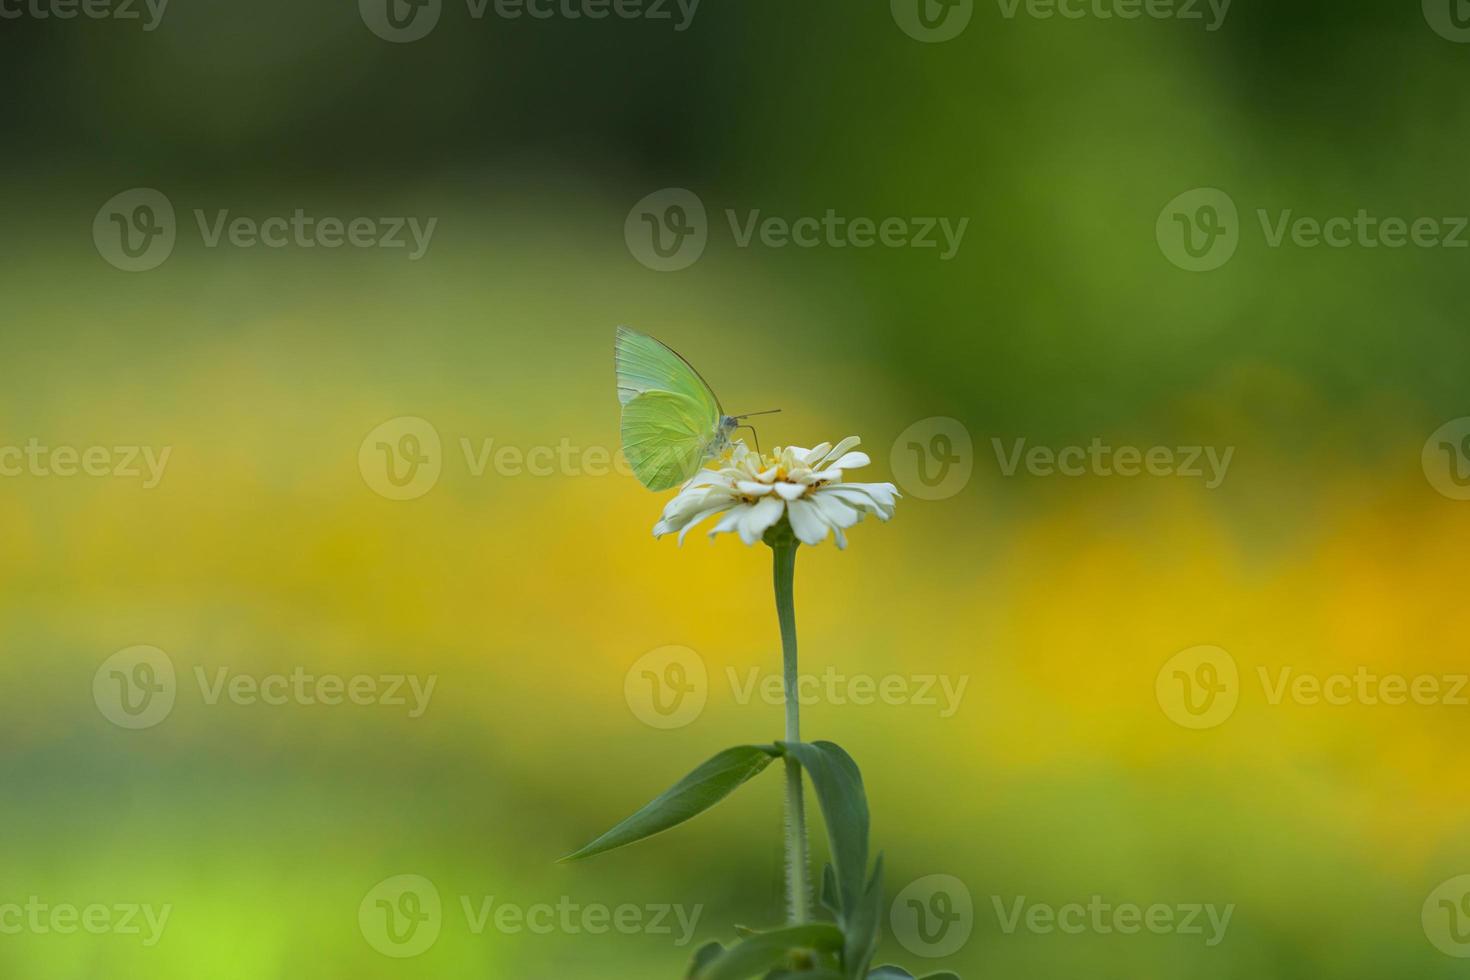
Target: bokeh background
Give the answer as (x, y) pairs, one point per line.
(1057, 600)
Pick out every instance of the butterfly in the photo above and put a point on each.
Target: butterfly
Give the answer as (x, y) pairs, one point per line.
(672, 421)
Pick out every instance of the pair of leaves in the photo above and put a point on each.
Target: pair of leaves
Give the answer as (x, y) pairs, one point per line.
(814, 951)
(838, 783)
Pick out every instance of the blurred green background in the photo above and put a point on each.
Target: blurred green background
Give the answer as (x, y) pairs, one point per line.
(1062, 318)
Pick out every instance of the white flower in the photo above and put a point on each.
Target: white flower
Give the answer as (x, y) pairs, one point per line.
(754, 492)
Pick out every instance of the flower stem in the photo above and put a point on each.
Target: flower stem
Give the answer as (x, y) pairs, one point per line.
(798, 875)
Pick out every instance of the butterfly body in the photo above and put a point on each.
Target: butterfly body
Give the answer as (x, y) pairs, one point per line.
(672, 422)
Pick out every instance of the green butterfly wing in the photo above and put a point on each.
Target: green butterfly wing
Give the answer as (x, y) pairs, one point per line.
(665, 437)
(671, 417)
(644, 364)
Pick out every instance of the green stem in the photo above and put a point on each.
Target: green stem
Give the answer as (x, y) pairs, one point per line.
(798, 874)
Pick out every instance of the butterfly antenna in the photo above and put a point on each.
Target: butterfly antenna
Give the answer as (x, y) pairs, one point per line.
(753, 434)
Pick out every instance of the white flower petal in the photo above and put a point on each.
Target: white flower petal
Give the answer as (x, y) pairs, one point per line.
(869, 496)
(728, 523)
(758, 517)
(807, 522)
(752, 489)
(840, 448)
(849, 461)
(697, 519)
(789, 491)
(836, 512)
(815, 454)
(704, 478)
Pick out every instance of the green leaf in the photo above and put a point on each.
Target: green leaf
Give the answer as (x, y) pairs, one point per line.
(839, 787)
(702, 957)
(768, 950)
(861, 930)
(692, 795)
(830, 898)
(897, 973)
